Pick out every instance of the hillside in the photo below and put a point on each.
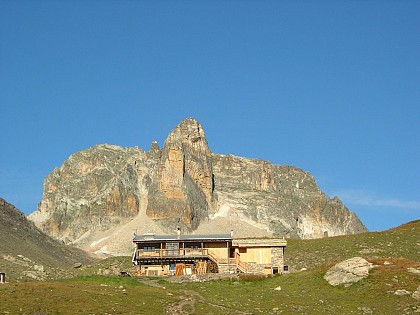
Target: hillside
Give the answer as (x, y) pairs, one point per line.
(400, 242)
(392, 287)
(397, 243)
(27, 253)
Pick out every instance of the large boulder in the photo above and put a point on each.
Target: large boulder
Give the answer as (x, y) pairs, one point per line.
(348, 271)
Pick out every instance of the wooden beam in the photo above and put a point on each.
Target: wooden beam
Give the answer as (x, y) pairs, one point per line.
(228, 255)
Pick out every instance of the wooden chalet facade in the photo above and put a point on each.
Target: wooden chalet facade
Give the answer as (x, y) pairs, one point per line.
(217, 253)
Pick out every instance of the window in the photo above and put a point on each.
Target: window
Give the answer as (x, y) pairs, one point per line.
(149, 248)
(193, 245)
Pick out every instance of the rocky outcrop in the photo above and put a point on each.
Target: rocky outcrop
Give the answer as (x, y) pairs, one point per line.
(182, 187)
(348, 271)
(183, 184)
(284, 199)
(94, 189)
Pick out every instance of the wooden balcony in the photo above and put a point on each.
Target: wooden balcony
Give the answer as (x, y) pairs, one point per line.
(187, 254)
(168, 254)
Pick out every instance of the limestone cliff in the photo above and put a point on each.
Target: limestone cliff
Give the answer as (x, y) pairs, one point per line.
(102, 194)
(97, 188)
(182, 187)
(283, 199)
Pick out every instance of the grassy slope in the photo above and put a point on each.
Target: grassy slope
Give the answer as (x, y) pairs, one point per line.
(401, 242)
(308, 293)
(23, 246)
(301, 292)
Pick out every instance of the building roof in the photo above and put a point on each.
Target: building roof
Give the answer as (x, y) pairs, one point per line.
(149, 237)
(260, 242)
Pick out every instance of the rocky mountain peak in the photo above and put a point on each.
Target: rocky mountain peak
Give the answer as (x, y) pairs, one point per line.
(95, 188)
(183, 183)
(189, 132)
(101, 194)
(154, 152)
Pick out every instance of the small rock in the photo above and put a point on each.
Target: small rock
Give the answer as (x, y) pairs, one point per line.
(414, 270)
(416, 294)
(386, 263)
(278, 288)
(366, 310)
(402, 292)
(77, 265)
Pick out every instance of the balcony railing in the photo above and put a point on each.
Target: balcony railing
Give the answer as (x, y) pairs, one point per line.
(181, 253)
(168, 253)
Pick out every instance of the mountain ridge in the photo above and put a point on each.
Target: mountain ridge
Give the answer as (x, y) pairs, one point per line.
(28, 253)
(99, 196)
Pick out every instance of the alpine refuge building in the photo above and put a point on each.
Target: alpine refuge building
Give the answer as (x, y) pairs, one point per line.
(218, 253)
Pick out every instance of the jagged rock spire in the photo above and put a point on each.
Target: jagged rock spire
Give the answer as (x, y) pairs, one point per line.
(183, 182)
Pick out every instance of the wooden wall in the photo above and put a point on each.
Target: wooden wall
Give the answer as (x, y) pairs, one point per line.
(218, 249)
(259, 255)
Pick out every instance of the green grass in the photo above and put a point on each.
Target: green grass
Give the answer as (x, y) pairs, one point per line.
(107, 280)
(301, 293)
(401, 242)
(308, 293)
(84, 295)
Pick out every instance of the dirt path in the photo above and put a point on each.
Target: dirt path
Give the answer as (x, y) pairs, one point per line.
(186, 305)
(152, 283)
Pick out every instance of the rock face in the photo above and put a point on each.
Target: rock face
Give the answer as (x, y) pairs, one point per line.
(94, 189)
(109, 191)
(283, 199)
(182, 188)
(348, 271)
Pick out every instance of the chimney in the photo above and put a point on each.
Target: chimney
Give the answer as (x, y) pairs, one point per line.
(231, 233)
(178, 231)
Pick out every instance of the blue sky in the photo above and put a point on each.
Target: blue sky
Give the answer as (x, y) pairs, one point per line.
(332, 87)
